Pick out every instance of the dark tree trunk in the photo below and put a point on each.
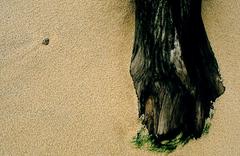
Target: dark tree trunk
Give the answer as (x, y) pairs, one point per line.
(173, 68)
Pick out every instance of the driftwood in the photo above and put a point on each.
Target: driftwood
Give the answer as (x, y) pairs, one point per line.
(173, 67)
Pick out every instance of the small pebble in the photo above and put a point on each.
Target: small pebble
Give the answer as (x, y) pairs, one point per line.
(45, 41)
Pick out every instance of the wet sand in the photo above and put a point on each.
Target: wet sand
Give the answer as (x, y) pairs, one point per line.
(75, 96)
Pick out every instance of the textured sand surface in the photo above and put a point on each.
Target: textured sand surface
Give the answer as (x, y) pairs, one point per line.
(75, 96)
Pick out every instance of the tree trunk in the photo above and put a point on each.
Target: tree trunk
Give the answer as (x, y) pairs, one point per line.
(173, 68)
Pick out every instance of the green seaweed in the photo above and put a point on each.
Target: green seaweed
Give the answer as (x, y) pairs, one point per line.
(208, 122)
(145, 141)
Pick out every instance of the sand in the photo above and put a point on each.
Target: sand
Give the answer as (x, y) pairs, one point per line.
(75, 96)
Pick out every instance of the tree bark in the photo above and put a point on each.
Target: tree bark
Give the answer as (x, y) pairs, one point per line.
(173, 67)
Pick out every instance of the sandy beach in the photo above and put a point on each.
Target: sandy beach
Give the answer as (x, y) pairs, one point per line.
(75, 95)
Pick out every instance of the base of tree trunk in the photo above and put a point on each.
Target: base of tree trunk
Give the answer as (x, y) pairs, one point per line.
(174, 70)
